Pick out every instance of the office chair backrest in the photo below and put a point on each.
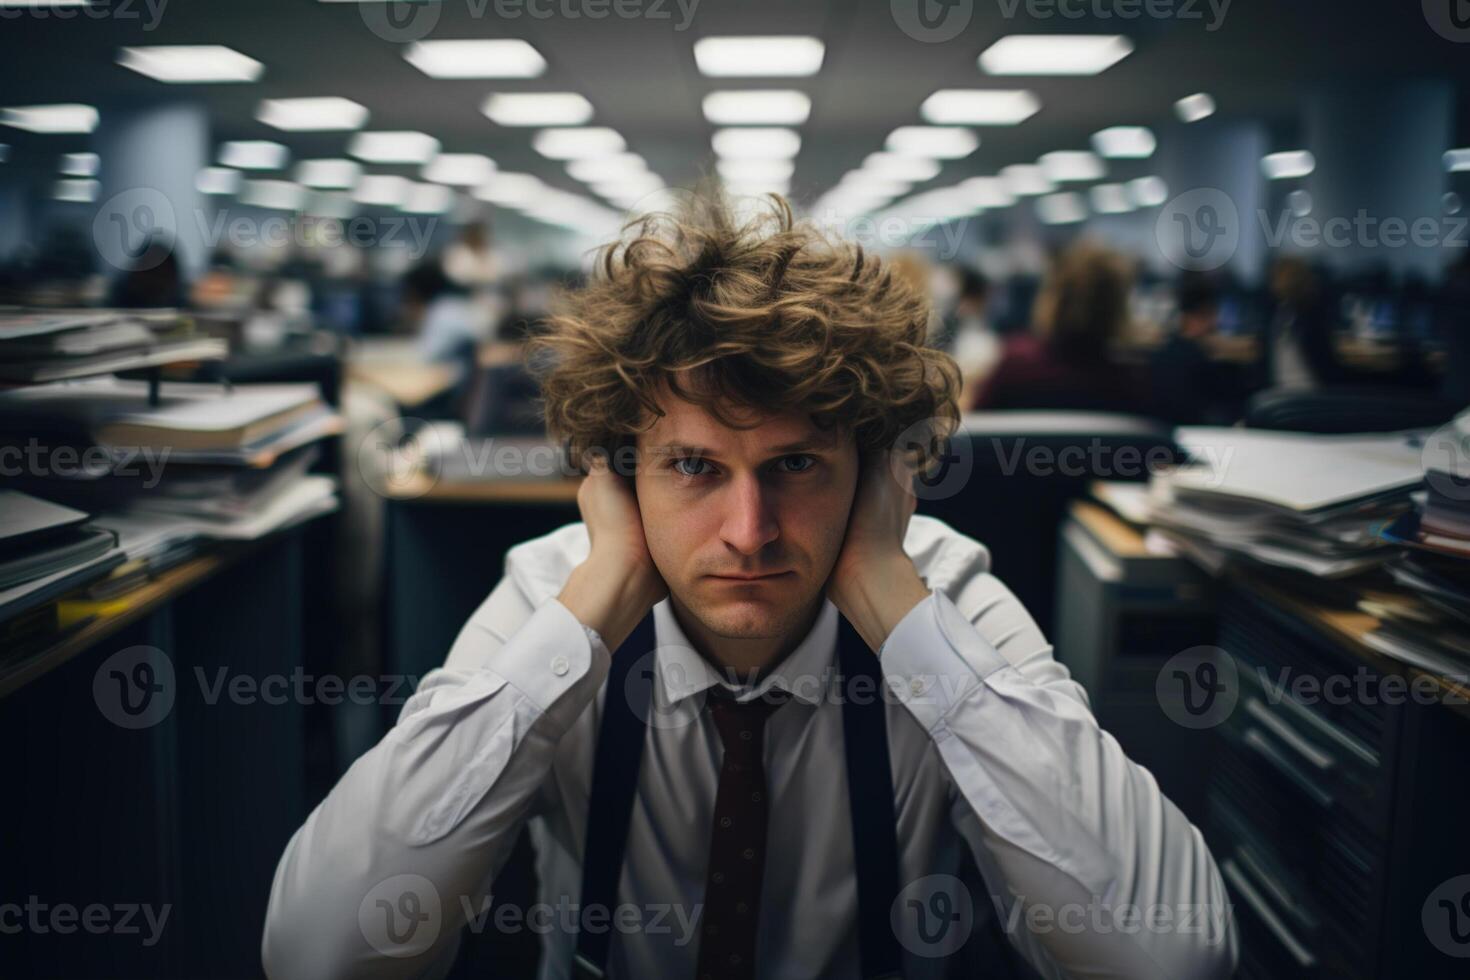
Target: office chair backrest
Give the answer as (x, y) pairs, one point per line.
(504, 403)
(1347, 409)
(1013, 474)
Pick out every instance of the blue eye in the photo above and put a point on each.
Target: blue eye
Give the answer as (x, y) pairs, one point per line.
(812, 460)
(687, 459)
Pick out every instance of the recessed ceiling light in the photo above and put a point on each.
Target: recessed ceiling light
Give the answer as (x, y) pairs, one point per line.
(1026, 179)
(607, 168)
(1110, 199)
(76, 191)
(1063, 165)
(756, 169)
(381, 190)
(1061, 209)
(573, 144)
(324, 114)
(459, 169)
(744, 144)
(499, 58)
(1055, 54)
(1457, 161)
(938, 142)
(1125, 142)
(278, 195)
(80, 164)
(389, 146)
(537, 109)
(987, 192)
(770, 107)
(508, 189)
(217, 181)
(980, 107)
(330, 204)
(428, 199)
(187, 63)
(331, 174)
(1193, 108)
(868, 184)
(1148, 192)
(897, 166)
(759, 57)
(634, 185)
(67, 117)
(757, 188)
(253, 155)
(1287, 164)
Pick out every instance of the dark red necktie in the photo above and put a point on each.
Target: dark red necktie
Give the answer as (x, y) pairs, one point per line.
(737, 845)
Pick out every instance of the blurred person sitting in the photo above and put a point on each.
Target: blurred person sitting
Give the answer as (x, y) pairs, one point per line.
(967, 334)
(449, 323)
(154, 281)
(1297, 351)
(1063, 363)
(1183, 379)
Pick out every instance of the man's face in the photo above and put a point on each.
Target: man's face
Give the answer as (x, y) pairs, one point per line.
(717, 501)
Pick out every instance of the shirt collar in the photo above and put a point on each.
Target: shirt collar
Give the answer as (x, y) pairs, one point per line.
(804, 673)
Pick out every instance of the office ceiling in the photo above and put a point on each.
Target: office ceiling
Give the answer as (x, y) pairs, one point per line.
(640, 75)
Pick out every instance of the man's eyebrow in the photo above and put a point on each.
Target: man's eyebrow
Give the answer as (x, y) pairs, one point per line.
(812, 444)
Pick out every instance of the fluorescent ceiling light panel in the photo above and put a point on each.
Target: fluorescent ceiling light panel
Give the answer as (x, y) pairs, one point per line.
(69, 117)
(756, 143)
(868, 184)
(428, 199)
(189, 63)
(756, 169)
(1026, 179)
(278, 195)
(1055, 54)
(382, 190)
(333, 174)
(509, 189)
(938, 142)
(896, 166)
(1148, 192)
(322, 114)
(980, 107)
(76, 191)
(459, 169)
(497, 58)
(331, 204)
(783, 56)
(1288, 164)
(393, 147)
(1061, 209)
(1458, 160)
(217, 181)
(253, 155)
(1125, 142)
(1193, 108)
(774, 107)
(986, 192)
(1110, 199)
(645, 183)
(607, 168)
(537, 109)
(757, 188)
(577, 143)
(1063, 165)
(80, 164)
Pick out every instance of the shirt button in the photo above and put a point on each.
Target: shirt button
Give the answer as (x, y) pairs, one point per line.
(560, 665)
(917, 685)
(724, 821)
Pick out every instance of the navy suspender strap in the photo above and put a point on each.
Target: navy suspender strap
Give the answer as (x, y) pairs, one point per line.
(870, 800)
(618, 758)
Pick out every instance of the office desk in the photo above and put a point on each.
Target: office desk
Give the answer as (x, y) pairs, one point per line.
(186, 804)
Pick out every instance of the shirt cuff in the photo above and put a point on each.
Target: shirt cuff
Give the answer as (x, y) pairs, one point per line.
(550, 657)
(935, 658)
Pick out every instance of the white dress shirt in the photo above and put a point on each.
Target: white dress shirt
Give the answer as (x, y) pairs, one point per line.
(1093, 872)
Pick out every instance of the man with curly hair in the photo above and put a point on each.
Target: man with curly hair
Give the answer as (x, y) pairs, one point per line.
(753, 708)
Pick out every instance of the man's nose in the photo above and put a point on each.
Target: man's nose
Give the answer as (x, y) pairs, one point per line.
(750, 519)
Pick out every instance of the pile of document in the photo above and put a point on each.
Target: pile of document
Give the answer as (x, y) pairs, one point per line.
(46, 550)
(37, 345)
(1309, 503)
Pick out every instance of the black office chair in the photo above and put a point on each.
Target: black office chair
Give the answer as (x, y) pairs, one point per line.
(1023, 470)
(1347, 409)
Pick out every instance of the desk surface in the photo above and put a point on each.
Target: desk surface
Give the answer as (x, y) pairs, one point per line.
(408, 383)
(424, 487)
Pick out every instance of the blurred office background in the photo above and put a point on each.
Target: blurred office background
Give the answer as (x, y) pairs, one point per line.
(265, 271)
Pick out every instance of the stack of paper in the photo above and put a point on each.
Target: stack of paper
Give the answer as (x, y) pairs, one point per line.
(1292, 500)
(47, 345)
(47, 549)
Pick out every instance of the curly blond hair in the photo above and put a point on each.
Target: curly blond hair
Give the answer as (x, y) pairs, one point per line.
(761, 313)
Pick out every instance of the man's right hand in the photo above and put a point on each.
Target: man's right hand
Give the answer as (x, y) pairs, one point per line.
(618, 583)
